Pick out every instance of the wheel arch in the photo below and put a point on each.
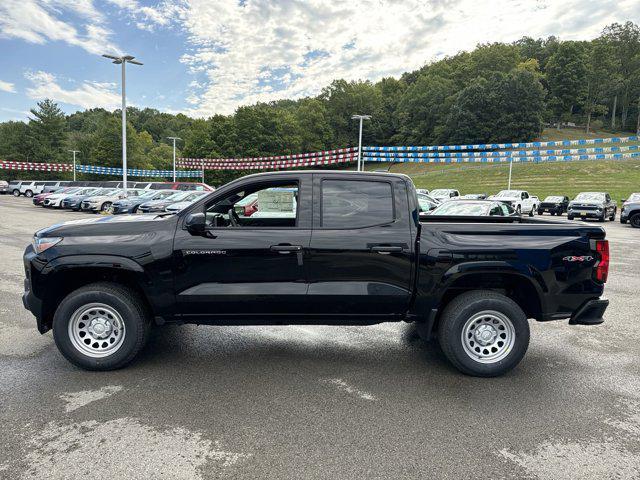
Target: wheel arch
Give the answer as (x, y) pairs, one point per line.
(513, 285)
(66, 274)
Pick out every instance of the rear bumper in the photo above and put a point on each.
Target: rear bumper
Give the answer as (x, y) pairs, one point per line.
(590, 313)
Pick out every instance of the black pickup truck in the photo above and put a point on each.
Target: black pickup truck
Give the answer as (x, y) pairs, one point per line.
(340, 248)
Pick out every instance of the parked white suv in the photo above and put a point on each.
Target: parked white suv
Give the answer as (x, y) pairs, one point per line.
(28, 188)
(519, 200)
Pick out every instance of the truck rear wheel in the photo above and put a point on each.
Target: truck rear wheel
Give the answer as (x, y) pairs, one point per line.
(483, 333)
(101, 326)
(635, 221)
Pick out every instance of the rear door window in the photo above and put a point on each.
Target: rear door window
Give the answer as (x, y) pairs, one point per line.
(356, 203)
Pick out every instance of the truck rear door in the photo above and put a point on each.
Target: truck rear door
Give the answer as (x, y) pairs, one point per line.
(360, 255)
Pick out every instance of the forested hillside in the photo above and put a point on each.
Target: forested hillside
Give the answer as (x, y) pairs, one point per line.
(497, 92)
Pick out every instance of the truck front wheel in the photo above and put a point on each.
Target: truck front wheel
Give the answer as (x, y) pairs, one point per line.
(483, 333)
(101, 326)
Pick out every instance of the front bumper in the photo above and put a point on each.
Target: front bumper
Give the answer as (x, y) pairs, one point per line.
(590, 313)
(29, 300)
(120, 209)
(585, 213)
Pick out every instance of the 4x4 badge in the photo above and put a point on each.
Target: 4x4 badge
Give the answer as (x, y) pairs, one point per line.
(572, 258)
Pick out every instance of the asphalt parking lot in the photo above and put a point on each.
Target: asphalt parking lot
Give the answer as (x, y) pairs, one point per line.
(318, 402)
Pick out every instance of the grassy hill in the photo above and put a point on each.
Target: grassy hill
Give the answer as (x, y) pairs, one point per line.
(618, 177)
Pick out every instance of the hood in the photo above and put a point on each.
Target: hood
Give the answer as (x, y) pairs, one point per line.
(575, 203)
(156, 203)
(55, 196)
(99, 198)
(97, 225)
(178, 206)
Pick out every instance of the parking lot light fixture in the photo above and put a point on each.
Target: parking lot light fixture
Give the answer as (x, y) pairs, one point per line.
(74, 163)
(510, 168)
(123, 60)
(174, 155)
(361, 118)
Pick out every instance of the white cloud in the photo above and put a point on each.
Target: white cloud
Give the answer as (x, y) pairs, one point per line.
(88, 95)
(148, 18)
(260, 51)
(44, 21)
(7, 87)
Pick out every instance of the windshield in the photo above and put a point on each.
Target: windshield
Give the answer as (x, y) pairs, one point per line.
(148, 194)
(597, 196)
(107, 192)
(508, 194)
(439, 192)
(634, 197)
(462, 208)
(553, 198)
(177, 196)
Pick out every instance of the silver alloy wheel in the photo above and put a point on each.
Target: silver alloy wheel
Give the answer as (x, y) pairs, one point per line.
(96, 330)
(488, 336)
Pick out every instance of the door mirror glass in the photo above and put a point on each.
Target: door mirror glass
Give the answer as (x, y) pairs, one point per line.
(195, 223)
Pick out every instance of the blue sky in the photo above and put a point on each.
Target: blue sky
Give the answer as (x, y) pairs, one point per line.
(203, 57)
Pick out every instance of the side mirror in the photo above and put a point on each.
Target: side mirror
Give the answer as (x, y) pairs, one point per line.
(195, 223)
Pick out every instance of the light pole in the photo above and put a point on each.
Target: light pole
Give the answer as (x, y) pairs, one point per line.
(123, 61)
(510, 167)
(74, 163)
(174, 155)
(361, 118)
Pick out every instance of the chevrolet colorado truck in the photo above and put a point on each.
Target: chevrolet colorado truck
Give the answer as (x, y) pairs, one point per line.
(339, 248)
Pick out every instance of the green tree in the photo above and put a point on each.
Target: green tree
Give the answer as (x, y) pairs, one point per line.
(566, 75)
(345, 99)
(499, 109)
(47, 129)
(624, 41)
(423, 109)
(315, 130)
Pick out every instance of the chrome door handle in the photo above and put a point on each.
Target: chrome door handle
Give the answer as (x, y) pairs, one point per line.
(386, 250)
(285, 248)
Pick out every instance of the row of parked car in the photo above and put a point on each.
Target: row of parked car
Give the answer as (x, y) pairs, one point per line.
(595, 205)
(110, 197)
(29, 188)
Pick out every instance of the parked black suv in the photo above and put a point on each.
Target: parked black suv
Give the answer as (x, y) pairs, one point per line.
(592, 205)
(340, 248)
(554, 204)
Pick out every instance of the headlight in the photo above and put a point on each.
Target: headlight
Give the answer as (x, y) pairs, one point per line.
(40, 244)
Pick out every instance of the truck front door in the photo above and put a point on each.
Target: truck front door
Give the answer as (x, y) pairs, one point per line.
(360, 257)
(247, 265)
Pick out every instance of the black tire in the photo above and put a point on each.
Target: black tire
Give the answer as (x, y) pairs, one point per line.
(519, 210)
(461, 310)
(531, 213)
(106, 206)
(16, 192)
(125, 302)
(635, 220)
(569, 217)
(540, 212)
(613, 215)
(28, 193)
(623, 221)
(603, 217)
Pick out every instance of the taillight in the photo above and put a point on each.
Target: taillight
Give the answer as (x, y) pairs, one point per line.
(602, 267)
